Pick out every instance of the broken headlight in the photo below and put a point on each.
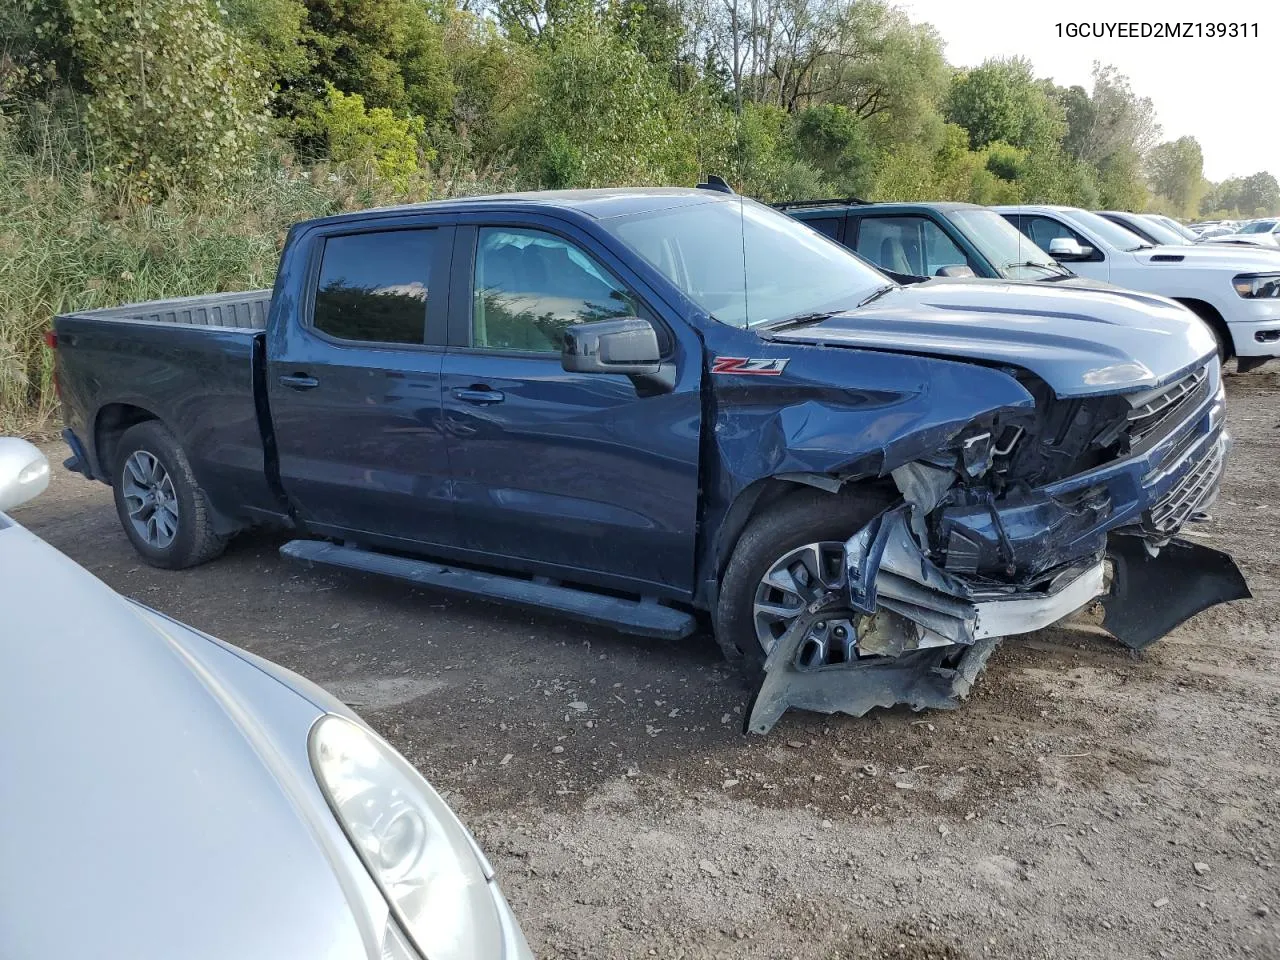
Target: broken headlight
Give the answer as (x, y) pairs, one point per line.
(1257, 286)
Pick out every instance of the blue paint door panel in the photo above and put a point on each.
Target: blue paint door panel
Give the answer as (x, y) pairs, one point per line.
(573, 470)
(354, 387)
(363, 451)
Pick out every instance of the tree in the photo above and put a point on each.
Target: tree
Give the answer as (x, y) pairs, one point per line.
(832, 140)
(654, 27)
(1259, 195)
(171, 103)
(1001, 100)
(390, 52)
(1176, 172)
(1121, 185)
(598, 113)
(372, 142)
(1111, 120)
(272, 31)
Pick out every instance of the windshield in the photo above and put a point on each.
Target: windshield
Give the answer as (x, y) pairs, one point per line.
(1176, 227)
(1112, 233)
(1159, 232)
(746, 264)
(1012, 252)
(1258, 226)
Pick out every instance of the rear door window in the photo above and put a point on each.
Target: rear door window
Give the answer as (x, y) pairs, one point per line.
(373, 287)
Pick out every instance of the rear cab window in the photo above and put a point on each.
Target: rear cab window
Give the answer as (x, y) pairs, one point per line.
(373, 287)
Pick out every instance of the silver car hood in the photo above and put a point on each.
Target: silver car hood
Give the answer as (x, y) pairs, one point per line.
(184, 822)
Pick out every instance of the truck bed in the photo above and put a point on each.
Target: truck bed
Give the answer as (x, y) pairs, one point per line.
(241, 311)
(191, 362)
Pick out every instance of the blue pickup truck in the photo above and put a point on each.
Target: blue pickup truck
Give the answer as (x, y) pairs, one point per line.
(655, 409)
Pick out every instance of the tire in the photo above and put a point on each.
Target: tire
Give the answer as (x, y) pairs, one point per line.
(807, 516)
(183, 510)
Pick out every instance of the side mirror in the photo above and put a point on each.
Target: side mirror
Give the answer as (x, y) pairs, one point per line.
(955, 270)
(1066, 248)
(24, 472)
(628, 346)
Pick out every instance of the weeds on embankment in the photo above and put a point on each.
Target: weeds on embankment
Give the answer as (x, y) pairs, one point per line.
(67, 243)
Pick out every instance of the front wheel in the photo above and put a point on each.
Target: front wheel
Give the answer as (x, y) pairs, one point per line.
(162, 508)
(787, 558)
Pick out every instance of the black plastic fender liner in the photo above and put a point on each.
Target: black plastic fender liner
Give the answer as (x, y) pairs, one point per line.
(1150, 596)
(936, 677)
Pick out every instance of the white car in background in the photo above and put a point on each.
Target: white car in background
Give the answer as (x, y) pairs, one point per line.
(1148, 228)
(1263, 233)
(1213, 228)
(1234, 289)
(164, 794)
(1181, 229)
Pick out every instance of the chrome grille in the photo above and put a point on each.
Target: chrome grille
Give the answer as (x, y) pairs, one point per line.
(1189, 493)
(1152, 410)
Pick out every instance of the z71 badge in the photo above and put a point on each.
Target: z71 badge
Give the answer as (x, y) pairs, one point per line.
(749, 366)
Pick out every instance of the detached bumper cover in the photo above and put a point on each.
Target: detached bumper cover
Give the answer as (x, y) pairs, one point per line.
(1151, 595)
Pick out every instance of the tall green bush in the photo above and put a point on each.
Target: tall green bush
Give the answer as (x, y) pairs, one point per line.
(598, 114)
(173, 102)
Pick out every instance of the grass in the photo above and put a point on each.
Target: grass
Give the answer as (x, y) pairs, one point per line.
(68, 243)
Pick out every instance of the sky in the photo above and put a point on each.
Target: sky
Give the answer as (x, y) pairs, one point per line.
(1221, 91)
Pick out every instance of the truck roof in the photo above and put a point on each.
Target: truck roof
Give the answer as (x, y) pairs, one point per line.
(597, 204)
(906, 205)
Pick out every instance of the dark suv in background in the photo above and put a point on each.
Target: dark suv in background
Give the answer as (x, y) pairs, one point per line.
(917, 240)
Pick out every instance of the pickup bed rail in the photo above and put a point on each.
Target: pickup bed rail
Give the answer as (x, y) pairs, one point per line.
(245, 310)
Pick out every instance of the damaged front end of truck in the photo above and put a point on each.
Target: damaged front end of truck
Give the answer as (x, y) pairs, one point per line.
(1022, 519)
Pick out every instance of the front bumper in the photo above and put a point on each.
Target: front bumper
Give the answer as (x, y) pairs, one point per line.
(1255, 328)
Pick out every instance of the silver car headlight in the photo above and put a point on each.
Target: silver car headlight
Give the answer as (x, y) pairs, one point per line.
(1257, 286)
(410, 841)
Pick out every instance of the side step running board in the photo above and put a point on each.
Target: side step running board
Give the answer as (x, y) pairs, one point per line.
(645, 618)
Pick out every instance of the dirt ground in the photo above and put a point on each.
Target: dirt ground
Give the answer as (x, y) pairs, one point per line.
(1083, 803)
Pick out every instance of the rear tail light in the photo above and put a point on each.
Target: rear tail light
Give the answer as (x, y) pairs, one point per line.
(51, 341)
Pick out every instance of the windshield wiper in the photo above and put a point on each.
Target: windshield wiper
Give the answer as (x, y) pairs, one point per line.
(877, 294)
(802, 319)
(1043, 266)
(817, 316)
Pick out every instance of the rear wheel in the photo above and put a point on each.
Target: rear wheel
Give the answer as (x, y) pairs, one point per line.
(162, 508)
(787, 559)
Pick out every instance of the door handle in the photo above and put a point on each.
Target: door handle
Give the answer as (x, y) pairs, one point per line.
(480, 396)
(300, 381)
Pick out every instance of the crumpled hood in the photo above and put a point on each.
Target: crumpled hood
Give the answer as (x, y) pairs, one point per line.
(1079, 341)
(1215, 253)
